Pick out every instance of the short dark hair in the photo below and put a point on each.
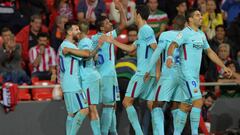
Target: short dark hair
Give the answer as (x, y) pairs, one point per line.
(179, 22)
(5, 29)
(210, 94)
(43, 34)
(132, 27)
(220, 26)
(178, 2)
(190, 13)
(100, 21)
(35, 16)
(69, 25)
(143, 10)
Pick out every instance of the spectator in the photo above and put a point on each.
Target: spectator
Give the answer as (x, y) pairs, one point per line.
(230, 91)
(58, 33)
(238, 57)
(129, 9)
(208, 101)
(201, 5)
(157, 19)
(215, 72)
(43, 59)
(181, 7)
(62, 8)
(232, 8)
(10, 59)
(211, 19)
(27, 37)
(220, 38)
(9, 16)
(233, 31)
(132, 36)
(91, 10)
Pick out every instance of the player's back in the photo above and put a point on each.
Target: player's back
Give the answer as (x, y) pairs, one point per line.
(106, 56)
(88, 70)
(165, 40)
(69, 69)
(144, 51)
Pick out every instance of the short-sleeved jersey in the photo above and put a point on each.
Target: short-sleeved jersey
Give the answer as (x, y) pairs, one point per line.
(106, 56)
(88, 69)
(69, 69)
(146, 37)
(191, 44)
(164, 42)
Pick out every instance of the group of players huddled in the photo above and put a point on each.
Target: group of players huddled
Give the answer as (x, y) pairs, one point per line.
(88, 76)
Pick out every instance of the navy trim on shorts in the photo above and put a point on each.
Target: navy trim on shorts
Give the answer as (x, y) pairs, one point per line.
(114, 93)
(79, 101)
(189, 91)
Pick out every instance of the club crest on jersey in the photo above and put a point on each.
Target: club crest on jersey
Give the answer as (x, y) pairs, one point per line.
(179, 35)
(195, 90)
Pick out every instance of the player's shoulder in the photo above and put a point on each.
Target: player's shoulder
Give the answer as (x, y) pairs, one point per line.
(146, 27)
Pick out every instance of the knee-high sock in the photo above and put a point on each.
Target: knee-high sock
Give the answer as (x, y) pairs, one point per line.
(77, 122)
(113, 127)
(158, 121)
(106, 120)
(181, 118)
(174, 114)
(95, 125)
(133, 118)
(195, 118)
(69, 124)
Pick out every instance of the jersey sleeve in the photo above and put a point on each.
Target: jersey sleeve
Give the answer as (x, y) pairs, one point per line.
(113, 33)
(84, 45)
(148, 35)
(156, 54)
(181, 37)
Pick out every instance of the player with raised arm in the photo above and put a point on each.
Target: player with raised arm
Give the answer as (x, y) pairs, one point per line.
(191, 41)
(109, 92)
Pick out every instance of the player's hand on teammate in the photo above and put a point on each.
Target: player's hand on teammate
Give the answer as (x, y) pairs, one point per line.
(65, 51)
(227, 72)
(157, 77)
(169, 62)
(146, 77)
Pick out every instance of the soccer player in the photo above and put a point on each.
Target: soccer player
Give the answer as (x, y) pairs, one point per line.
(167, 85)
(106, 67)
(75, 99)
(191, 42)
(145, 45)
(90, 78)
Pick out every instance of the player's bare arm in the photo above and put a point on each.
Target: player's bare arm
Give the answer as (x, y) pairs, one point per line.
(171, 49)
(123, 19)
(213, 57)
(158, 65)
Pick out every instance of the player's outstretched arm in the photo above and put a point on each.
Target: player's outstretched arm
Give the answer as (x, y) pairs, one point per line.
(170, 51)
(76, 52)
(213, 57)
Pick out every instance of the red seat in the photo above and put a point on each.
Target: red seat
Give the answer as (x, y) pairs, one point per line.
(23, 94)
(42, 93)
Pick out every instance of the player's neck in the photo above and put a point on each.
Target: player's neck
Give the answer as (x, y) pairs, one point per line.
(195, 28)
(141, 23)
(69, 38)
(83, 36)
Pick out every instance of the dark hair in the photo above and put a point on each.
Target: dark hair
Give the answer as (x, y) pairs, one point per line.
(220, 26)
(69, 25)
(210, 94)
(43, 34)
(100, 22)
(5, 29)
(179, 22)
(35, 16)
(178, 2)
(143, 10)
(190, 13)
(132, 27)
